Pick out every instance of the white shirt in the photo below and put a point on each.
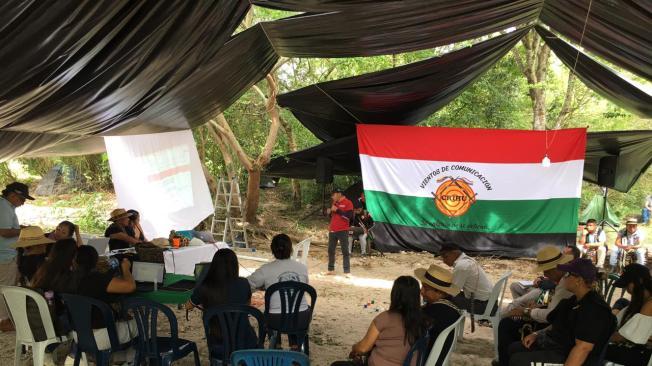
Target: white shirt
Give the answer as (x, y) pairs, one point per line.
(8, 220)
(593, 237)
(278, 271)
(471, 278)
(638, 329)
(539, 315)
(636, 238)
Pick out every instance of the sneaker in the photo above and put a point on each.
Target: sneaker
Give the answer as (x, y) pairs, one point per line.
(330, 273)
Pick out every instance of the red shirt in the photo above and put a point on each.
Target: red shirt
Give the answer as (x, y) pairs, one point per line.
(340, 219)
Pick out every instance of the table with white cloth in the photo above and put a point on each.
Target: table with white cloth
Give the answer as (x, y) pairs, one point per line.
(182, 261)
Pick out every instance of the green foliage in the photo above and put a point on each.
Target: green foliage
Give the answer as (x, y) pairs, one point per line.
(6, 175)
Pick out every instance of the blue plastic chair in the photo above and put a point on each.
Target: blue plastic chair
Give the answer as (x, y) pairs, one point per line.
(235, 331)
(164, 350)
(291, 293)
(80, 311)
(419, 351)
(268, 357)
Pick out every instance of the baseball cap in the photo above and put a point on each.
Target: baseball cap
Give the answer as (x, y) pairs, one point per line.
(448, 247)
(337, 190)
(20, 189)
(632, 273)
(581, 267)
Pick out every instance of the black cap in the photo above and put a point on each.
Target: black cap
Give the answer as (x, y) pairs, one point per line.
(446, 247)
(337, 190)
(632, 273)
(581, 267)
(20, 189)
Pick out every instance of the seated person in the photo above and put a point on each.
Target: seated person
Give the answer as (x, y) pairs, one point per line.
(108, 289)
(518, 289)
(31, 247)
(470, 277)
(580, 326)
(526, 310)
(628, 343)
(66, 230)
(393, 332)
(361, 224)
(439, 313)
(281, 269)
(594, 239)
(135, 230)
(629, 238)
(53, 278)
(118, 232)
(222, 285)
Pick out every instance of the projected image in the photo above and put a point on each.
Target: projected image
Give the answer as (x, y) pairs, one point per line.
(169, 177)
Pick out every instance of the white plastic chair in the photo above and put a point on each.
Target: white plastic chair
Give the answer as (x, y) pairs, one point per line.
(438, 346)
(16, 300)
(101, 245)
(496, 297)
(301, 249)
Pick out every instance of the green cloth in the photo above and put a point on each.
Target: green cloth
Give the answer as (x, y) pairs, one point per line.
(169, 297)
(594, 211)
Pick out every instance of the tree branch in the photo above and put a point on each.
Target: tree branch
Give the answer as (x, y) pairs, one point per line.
(566, 107)
(274, 115)
(222, 126)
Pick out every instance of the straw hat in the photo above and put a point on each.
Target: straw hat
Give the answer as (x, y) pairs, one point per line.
(631, 221)
(437, 277)
(549, 257)
(119, 213)
(30, 236)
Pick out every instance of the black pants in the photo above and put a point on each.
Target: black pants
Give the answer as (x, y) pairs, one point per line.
(343, 238)
(274, 322)
(508, 333)
(521, 356)
(463, 303)
(628, 356)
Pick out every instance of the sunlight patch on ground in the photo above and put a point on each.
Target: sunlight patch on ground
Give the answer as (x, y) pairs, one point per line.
(359, 281)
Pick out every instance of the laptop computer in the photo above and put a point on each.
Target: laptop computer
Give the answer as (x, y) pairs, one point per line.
(146, 274)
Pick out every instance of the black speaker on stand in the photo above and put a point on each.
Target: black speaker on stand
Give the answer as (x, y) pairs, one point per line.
(607, 168)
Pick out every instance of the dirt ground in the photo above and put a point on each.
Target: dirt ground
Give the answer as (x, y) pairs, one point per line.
(340, 318)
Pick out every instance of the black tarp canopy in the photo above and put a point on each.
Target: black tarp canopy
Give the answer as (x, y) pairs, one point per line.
(634, 149)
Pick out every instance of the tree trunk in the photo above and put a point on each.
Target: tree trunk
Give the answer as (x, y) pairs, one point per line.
(538, 108)
(292, 146)
(253, 194)
(226, 154)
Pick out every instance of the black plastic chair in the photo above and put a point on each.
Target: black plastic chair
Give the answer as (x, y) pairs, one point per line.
(609, 288)
(235, 331)
(291, 293)
(80, 310)
(164, 350)
(419, 351)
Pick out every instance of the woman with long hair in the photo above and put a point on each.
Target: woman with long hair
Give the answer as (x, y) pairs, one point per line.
(134, 228)
(392, 332)
(628, 343)
(221, 285)
(55, 273)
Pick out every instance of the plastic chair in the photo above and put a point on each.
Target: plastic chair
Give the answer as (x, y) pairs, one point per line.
(438, 346)
(164, 350)
(419, 351)
(16, 300)
(291, 294)
(80, 311)
(234, 328)
(496, 297)
(302, 248)
(609, 288)
(268, 357)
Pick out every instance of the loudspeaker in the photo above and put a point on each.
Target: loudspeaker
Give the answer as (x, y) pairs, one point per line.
(324, 171)
(607, 171)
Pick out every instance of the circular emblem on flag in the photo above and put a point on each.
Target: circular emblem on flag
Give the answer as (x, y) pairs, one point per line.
(454, 196)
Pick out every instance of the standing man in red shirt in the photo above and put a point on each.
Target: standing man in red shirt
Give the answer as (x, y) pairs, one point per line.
(341, 212)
